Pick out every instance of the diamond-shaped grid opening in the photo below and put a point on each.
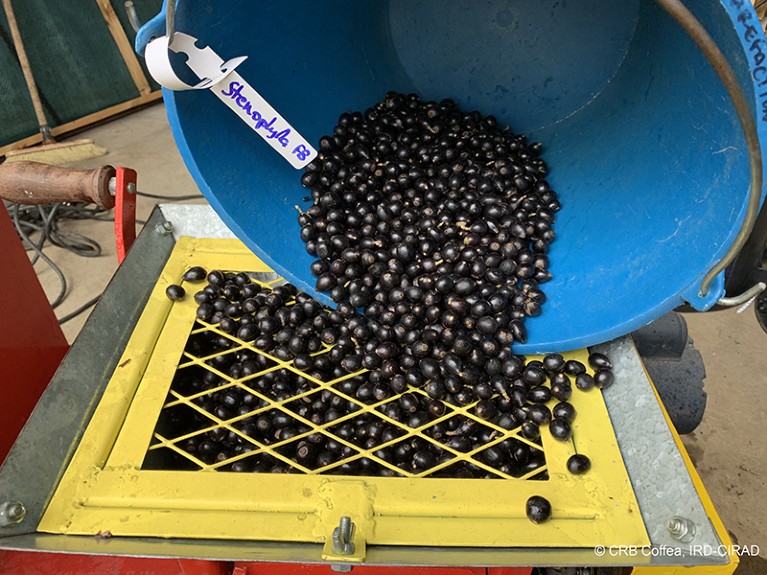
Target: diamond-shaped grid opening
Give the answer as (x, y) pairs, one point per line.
(415, 455)
(407, 419)
(204, 341)
(223, 362)
(279, 384)
(200, 341)
(334, 453)
(191, 380)
(187, 451)
(165, 458)
(243, 462)
(248, 364)
(527, 457)
(470, 430)
(270, 426)
(349, 385)
(180, 420)
(513, 457)
(207, 383)
(542, 476)
(488, 447)
(364, 466)
(413, 408)
(308, 406)
(215, 446)
(309, 452)
(322, 407)
(371, 392)
(219, 404)
(465, 435)
(426, 460)
(366, 431)
(465, 470)
(256, 462)
(317, 365)
(229, 402)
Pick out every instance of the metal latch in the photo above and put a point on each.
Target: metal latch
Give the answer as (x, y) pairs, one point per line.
(346, 545)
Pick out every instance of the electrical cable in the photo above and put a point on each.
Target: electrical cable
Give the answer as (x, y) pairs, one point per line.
(79, 310)
(171, 198)
(38, 225)
(20, 224)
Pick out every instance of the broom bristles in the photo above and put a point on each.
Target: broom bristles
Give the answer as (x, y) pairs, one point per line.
(58, 153)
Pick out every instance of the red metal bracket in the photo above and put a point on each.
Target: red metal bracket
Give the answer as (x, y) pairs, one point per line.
(125, 210)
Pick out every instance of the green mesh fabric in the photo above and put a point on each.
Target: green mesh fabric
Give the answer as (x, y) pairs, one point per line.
(75, 61)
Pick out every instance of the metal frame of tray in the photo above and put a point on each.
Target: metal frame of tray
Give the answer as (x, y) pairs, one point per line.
(661, 476)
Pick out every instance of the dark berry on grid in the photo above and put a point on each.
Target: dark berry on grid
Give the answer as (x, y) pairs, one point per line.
(175, 292)
(560, 429)
(194, 274)
(564, 410)
(578, 464)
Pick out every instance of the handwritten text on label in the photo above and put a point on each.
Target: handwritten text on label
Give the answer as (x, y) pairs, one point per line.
(234, 91)
(756, 51)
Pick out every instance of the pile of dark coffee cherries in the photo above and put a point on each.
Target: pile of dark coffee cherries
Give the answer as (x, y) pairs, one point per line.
(318, 342)
(431, 229)
(436, 224)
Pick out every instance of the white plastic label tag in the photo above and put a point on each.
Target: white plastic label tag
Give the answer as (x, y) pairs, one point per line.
(232, 90)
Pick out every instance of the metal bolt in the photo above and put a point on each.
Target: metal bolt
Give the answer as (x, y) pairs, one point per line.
(164, 229)
(342, 537)
(341, 567)
(131, 187)
(11, 512)
(346, 527)
(681, 529)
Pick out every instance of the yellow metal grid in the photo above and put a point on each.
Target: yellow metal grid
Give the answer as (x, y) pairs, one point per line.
(117, 481)
(208, 422)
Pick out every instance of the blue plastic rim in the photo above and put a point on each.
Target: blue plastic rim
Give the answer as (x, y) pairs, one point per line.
(641, 140)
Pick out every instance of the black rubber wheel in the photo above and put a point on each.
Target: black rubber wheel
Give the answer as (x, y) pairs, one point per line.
(761, 310)
(676, 368)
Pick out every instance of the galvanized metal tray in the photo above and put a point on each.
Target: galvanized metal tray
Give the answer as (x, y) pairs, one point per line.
(42, 454)
(108, 486)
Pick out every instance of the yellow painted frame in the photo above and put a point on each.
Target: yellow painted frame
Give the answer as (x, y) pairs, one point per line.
(105, 489)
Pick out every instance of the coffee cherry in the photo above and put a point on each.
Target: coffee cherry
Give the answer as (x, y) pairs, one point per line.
(578, 464)
(538, 509)
(175, 292)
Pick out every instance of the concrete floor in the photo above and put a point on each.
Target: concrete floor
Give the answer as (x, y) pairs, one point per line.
(729, 451)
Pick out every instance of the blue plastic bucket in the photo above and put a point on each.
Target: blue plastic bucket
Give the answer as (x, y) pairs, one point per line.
(640, 137)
